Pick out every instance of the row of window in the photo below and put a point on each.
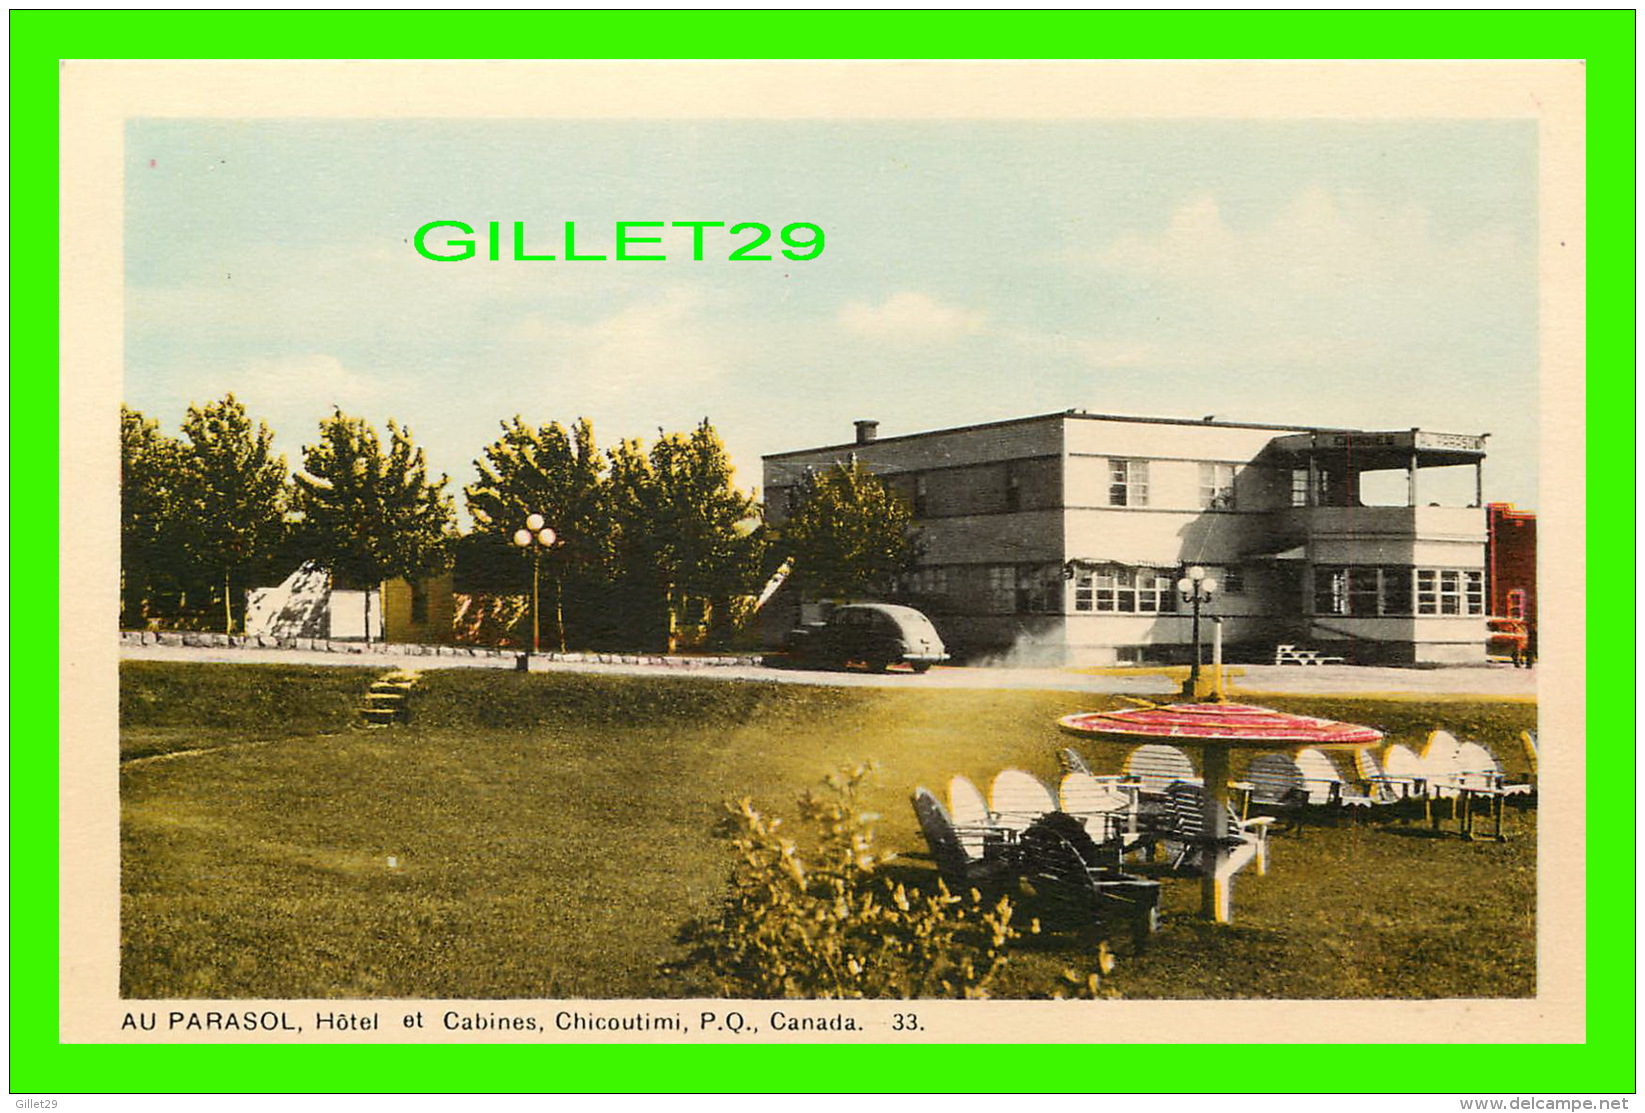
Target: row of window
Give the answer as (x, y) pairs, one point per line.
(1128, 484)
(1045, 589)
(1373, 591)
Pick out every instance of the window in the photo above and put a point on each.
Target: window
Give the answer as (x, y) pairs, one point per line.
(1516, 602)
(1134, 590)
(1013, 488)
(1233, 581)
(1083, 591)
(930, 580)
(419, 602)
(1371, 591)
(1299, 486)
(1216, 486)
(1330, 590)
(1128, 483)
(922, 495)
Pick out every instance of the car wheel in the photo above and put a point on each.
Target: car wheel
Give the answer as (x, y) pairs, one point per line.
(921, 667)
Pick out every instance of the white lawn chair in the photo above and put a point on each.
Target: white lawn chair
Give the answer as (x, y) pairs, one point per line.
(1248, 838)
(1155, 768)
(1106, 809)
(1479, 777)
(1325, 783)
(972, 819)
(1017, 798)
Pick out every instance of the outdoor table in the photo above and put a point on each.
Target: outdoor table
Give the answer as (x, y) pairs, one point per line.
(1216, 728)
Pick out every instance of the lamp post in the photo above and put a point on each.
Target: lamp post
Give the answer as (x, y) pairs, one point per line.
(1196, 588)
(538, 537)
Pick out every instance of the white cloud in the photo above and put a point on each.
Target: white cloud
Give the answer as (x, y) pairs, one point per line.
(1321, 243)
(314, 379)
(662, 339)
(910, 317)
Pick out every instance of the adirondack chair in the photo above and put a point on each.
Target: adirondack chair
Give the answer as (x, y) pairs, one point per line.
(1107, 809)
(1380, 786)
(1441, 755)
(959, 870)
(1247, 839)
(1274, 786)
(979, 834)
(1416, 777)
(1478, 778)
(1323, 779)
(1017, 798)
(1155, 768)
(1074, 880)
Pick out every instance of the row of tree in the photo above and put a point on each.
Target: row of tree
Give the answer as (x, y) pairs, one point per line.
(647, 538)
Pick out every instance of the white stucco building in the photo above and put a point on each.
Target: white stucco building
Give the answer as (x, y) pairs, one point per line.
(1061, 536)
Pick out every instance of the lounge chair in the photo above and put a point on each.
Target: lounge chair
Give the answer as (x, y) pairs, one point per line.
(1106, 808)
(1382, 788)
(1247, 839)
(978, 831)
(1074, 880)
(1478, 777)
(959, 870)
(1155, 768)
(1323, 779)
(1017, 798)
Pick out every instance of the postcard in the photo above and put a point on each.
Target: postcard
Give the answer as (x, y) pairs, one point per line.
(622, 552)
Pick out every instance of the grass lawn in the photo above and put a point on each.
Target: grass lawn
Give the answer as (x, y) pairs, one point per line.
(550, 832)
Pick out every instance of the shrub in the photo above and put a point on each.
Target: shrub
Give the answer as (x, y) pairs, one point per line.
(826, 921)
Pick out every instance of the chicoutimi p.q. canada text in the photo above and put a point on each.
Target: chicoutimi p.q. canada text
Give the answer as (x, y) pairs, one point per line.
(629, 241)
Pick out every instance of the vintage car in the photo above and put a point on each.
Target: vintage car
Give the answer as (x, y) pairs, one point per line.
(1507, 637)
(877, 635)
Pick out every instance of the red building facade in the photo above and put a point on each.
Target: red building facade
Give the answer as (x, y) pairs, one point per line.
(1510, 562)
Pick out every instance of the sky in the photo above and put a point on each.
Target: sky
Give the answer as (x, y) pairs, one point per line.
(1376, 274)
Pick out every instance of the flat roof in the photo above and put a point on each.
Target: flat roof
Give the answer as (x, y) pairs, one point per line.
(1060, 415)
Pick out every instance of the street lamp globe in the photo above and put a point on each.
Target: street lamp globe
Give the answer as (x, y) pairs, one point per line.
(522, 538)
(546, 537)
(1196, 573)
(534, 523)
(1186, 586)
(1209, 587)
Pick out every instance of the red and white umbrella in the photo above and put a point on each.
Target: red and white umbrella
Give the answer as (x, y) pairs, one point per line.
(1216, 728)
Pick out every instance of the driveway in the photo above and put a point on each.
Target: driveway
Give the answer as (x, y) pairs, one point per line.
(1494, 681)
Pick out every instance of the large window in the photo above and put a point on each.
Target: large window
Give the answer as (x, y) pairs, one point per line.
(1216, 486)
(1370, 591)
(929, 580)
(1130, 590)
(1128, 483)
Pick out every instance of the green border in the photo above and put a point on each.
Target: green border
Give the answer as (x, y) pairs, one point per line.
(1604, 1064)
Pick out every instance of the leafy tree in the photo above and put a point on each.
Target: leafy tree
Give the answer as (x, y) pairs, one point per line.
(151, 464)
(232, 495)
(550, 471)
(679, 520)
(850, 534)
(368, 514)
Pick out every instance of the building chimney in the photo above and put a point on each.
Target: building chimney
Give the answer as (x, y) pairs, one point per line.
(866, 431)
